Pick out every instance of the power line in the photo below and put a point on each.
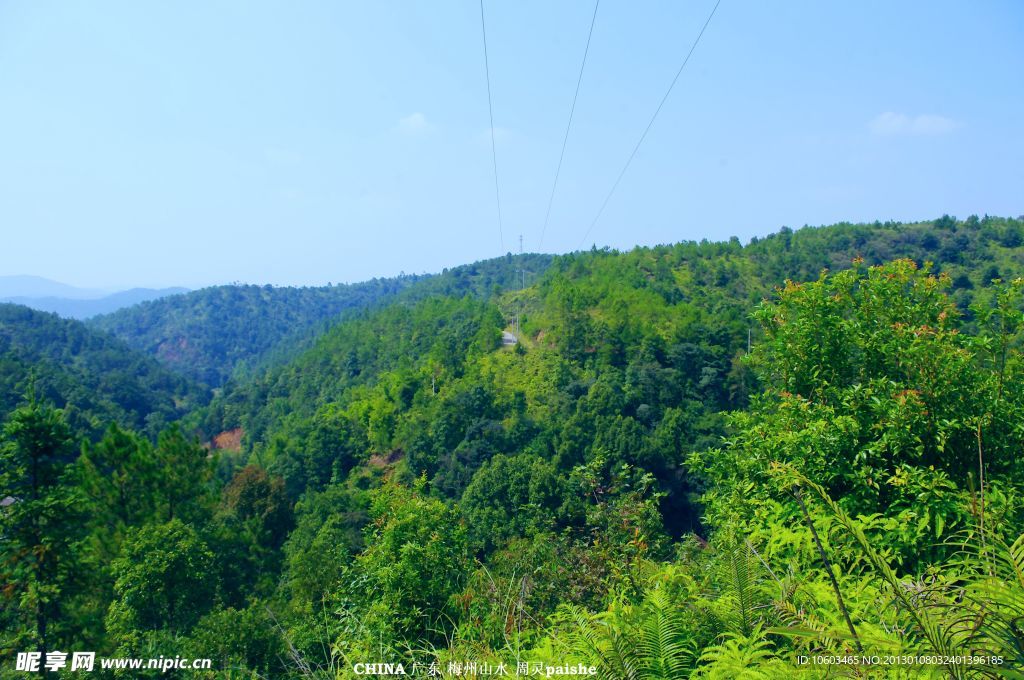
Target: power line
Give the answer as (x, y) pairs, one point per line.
(490, 110)
(649, 124)
(565, 140)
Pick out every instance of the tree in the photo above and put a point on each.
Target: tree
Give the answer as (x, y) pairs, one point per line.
(260, 503)
(164, 580)
(39, 522)
(417, 558)
(328, 533)
(242, 642)
(118, 477)
(510, 497)
(875, 394)
(185, 469)
(119, 481)
(254, 520)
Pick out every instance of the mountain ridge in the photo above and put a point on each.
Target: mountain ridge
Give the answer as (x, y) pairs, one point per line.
(94, 377)
(86, 307)
(217, 333)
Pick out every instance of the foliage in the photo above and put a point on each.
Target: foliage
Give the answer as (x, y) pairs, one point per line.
(39, 525)
(686, 466)
(163, 581)
(416, 559)
(511, 497)
(93, 378)
(212, 335)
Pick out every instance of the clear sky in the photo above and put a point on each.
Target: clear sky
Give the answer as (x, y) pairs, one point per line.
(191, 143)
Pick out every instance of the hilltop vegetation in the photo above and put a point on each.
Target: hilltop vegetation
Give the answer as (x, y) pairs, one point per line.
(217, 333)
(208, 333)
(676, 316)
(687, 466)
(96, 379)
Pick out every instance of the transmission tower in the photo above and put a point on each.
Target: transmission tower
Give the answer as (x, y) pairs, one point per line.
(522, 284)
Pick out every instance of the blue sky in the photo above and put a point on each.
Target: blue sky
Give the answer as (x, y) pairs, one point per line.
(191, 143)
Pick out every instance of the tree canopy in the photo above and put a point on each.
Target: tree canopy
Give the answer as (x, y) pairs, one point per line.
(697, 460)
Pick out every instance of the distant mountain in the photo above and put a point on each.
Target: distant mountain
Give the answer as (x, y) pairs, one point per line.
(38, 287)
(96, 378)
(83, 308)
(71, 302)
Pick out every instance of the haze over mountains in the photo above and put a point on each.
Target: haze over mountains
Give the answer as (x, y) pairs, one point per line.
(37, 286)
(72, 302)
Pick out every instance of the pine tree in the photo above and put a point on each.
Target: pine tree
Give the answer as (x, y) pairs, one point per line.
(39, 523)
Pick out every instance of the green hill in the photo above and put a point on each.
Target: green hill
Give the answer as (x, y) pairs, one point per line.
(449, 474)
(213, 334)
(207, 334)
(95, 378)
(683, 309)
(696, 460)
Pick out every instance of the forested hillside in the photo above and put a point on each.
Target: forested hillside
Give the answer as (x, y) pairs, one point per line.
(207, 333)
(699, 460)
(96, 379)
(599, 308)
(215, 333)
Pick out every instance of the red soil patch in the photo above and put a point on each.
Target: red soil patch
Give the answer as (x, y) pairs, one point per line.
(229, 440)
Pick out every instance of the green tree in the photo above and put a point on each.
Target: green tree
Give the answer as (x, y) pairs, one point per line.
(165, 579)
(40, 523)
(118, 477)
(242, 642)
(327, 535)
(259, 502)
(254, 519)
(417, 558)
(874, 393)
(185, 470)
(511, 497)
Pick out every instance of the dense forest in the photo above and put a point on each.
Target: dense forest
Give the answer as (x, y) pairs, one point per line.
(93, 378)
(206, 334)
(705, 460)
(217, 333)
